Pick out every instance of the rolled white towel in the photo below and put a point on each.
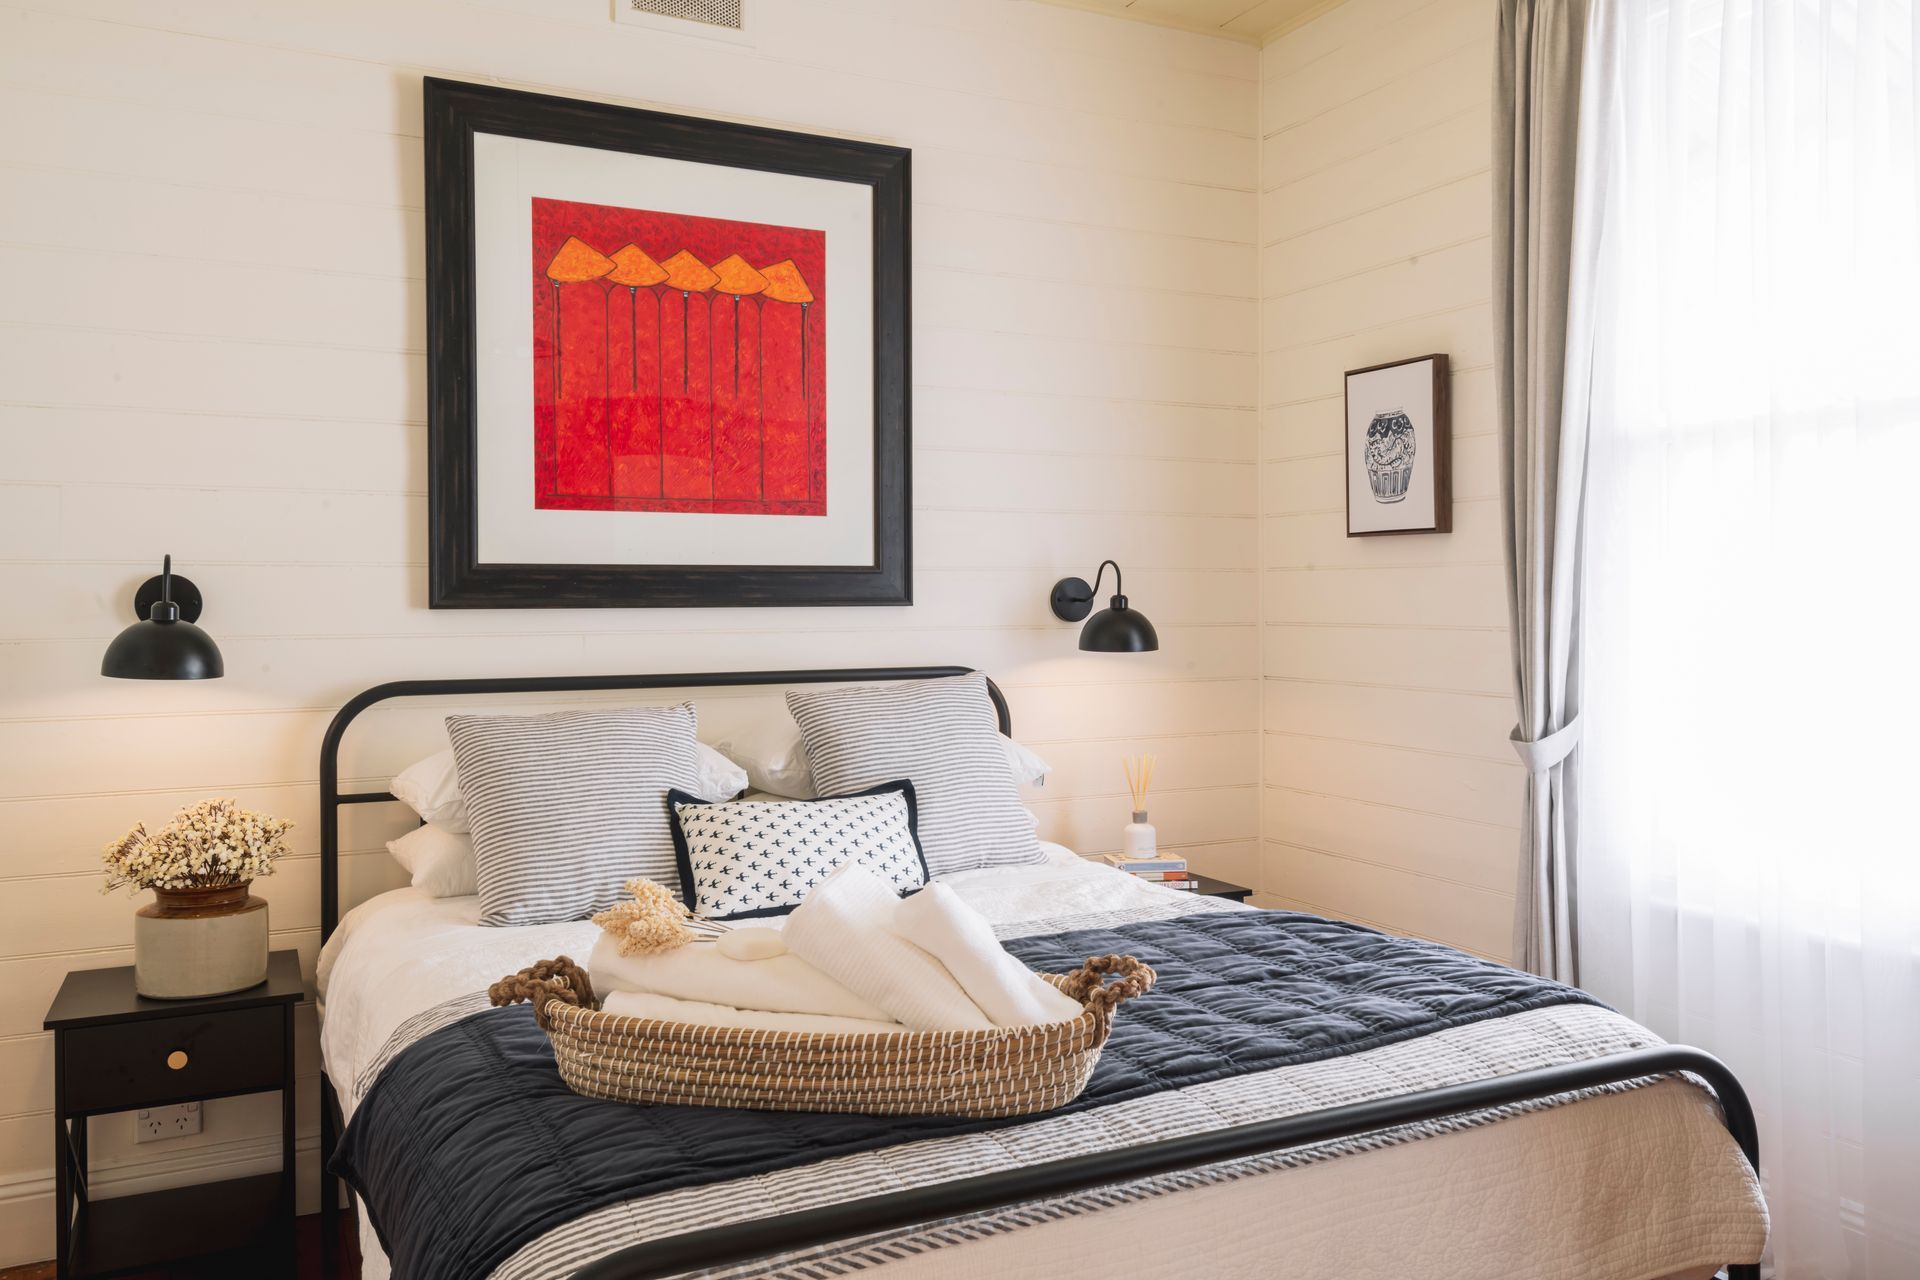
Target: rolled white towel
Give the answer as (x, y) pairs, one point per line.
(697, 971)
(936, 920)
(845, 930)
(640, 1004)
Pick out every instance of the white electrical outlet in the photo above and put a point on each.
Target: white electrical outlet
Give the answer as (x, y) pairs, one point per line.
(154, 1123)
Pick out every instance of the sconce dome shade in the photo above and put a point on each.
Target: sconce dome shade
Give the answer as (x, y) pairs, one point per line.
(1119, 630)
(157, 650)
(164, 644)
(1116, 629)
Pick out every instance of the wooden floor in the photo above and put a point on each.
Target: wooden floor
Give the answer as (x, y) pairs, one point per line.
(308, 1229)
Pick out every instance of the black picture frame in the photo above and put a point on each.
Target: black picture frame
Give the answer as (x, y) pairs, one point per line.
(454, 112)
(1439, 447)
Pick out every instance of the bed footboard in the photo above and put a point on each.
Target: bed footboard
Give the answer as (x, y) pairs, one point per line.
(743, 1242)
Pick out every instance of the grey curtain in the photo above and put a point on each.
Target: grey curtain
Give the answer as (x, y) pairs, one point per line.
(1546, 222)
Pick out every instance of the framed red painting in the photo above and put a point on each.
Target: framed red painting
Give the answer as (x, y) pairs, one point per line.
(668, 359)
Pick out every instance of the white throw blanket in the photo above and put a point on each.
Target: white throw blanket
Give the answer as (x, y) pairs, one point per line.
(845, 929)
(637, 1004)
(697, 971)
(1012, 995)
(858, 959)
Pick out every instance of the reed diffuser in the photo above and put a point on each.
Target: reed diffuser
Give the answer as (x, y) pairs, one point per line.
(1138, 839)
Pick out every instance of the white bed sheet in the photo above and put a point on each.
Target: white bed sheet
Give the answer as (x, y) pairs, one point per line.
(1631, 1186)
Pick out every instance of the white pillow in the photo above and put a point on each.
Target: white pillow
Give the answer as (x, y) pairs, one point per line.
(440, 861)
(775, 758)
(431, 788)
(720, 778)
(1028, 768)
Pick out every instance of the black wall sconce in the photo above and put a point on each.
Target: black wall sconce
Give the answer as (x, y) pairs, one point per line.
(164, 644)
(1116, 628)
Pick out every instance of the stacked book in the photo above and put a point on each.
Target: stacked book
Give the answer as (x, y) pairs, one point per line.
(1163, 869)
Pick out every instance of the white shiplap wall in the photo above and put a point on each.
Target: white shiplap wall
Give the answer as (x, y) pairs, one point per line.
(1390, 794)
(211, 343)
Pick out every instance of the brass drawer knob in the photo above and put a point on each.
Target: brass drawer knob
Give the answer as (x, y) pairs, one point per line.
(177, 1059)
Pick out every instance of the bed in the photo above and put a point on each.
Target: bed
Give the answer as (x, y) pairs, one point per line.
(1546, 1135)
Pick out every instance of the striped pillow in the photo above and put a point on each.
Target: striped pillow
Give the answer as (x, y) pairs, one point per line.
(942, 736)
(566, 807)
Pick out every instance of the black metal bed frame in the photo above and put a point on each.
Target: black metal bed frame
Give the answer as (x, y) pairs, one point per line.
(782, 1233)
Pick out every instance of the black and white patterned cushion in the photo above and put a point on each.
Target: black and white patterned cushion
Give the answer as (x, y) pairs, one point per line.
(940, 734)
(567, 807)
(759, 858)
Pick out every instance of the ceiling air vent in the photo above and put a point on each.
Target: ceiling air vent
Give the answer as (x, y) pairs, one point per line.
(723, 18)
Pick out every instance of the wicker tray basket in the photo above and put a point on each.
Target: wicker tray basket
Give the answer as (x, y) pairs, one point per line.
(1007, 1071)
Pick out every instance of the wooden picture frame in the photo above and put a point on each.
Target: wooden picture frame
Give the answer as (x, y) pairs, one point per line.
(1398, 434)
(855, 459)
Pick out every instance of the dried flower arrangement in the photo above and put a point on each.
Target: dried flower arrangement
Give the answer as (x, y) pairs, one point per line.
(655, 922)
(209, 845)
(651, 923)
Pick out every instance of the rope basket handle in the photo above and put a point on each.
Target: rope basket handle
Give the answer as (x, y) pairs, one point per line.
(542, 983)
(1090, 987)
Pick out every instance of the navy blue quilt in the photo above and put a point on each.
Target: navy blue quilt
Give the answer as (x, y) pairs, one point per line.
(469, 1145)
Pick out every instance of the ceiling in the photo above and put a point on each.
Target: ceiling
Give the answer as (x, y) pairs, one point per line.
(1251, 21)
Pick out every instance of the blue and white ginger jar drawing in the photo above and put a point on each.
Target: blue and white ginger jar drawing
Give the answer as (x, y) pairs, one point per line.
(1390, 451)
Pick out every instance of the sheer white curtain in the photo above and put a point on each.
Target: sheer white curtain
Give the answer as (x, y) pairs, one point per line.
(1750, 863)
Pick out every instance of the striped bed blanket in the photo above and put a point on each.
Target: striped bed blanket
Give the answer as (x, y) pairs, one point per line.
(473, 1158)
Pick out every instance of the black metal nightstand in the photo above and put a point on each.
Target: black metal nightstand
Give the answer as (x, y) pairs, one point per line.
(1211, 888)
(117, 1051)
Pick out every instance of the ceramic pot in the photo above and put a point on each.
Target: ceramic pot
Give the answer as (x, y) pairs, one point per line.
(200, 942)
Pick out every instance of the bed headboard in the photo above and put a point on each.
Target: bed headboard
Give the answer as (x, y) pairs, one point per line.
(331, 798)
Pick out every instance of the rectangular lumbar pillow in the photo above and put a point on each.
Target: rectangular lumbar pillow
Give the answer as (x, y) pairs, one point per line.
(567, 807)
(759, 858)
(942, 736)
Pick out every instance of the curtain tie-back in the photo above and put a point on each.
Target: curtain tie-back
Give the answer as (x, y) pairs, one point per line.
(1541, 755)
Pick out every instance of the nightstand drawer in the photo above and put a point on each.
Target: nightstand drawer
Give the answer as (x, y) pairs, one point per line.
(160, 1060)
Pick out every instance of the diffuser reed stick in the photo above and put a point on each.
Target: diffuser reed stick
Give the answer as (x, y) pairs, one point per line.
(1139, 779)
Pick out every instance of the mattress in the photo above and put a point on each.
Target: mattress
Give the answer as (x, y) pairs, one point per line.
(1637, 1183)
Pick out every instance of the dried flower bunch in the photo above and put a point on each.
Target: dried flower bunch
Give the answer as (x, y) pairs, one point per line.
(207, 846)
(651, 923)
